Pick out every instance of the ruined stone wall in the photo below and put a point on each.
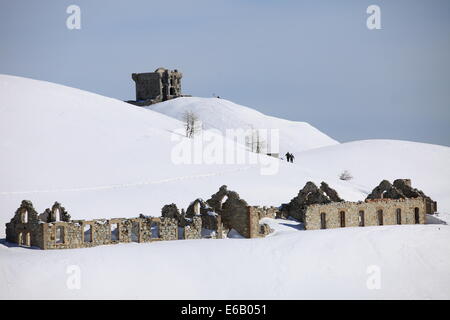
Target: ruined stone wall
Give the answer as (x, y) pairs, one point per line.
(237, 219)
(370, 216)
(321, 209)
(53, 229)
(214, 232)
(84, 234)
(194, 230)
(308, 195)
(148, 85)
(264, 212)
(220, 230)
(401, 189)
(77, 234)
(25, 228)
(149, 229)
(71, 235)
(158, 86)
(25, 234)
(155, 229)
(168, 229)
(255, 215)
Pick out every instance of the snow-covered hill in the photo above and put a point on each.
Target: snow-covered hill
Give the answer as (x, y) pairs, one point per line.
(101, 157)
(222, 114)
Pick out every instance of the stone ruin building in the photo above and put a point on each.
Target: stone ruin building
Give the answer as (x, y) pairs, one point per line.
(158, 86)
(236, 214)
(310, 194)
(365, 213)
(387, 204)
(54, 229)
(224, 211)
(316, 207)
(401, 189)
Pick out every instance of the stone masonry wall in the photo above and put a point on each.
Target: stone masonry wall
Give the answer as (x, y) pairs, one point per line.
(351, 216)
(193, 231)
(74, 234)
(255, 215)
(168, 229)
(71, 235)
(24, 228)
(53, 229)
(264, 212)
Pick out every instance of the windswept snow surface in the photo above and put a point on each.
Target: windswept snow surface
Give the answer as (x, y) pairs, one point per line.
(102, 158)
(222, 114)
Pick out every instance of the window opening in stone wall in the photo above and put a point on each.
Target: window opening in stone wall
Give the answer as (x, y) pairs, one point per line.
(24, 239)
(59, 234)
(323, 224)
(342, 218)
(197, 208)
(361, 218)
(87, 233)
(399, 216)
(155, 230)
(380, 217)
(57, 215)
(25, 216)
(180, 233)
(114, 232)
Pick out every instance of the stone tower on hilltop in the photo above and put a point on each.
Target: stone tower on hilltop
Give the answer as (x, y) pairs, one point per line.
(158, 86)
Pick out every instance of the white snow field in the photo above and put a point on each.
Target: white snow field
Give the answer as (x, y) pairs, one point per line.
(104, 158)
(221, 114)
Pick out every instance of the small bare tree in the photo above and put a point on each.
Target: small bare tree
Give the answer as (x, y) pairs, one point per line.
(345, 176)
(254, 141)
(192, 123)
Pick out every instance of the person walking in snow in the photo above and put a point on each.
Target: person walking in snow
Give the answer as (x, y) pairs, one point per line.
(292, 158)
(288, 157)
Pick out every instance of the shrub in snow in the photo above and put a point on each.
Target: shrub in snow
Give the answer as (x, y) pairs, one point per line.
(254, 142)
(345, 176)
(192, 124)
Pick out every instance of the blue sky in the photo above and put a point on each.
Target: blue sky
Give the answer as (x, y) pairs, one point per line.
(313, 61)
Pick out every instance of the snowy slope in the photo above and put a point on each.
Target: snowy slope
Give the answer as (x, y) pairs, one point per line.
(222, 114)
(101, 157)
